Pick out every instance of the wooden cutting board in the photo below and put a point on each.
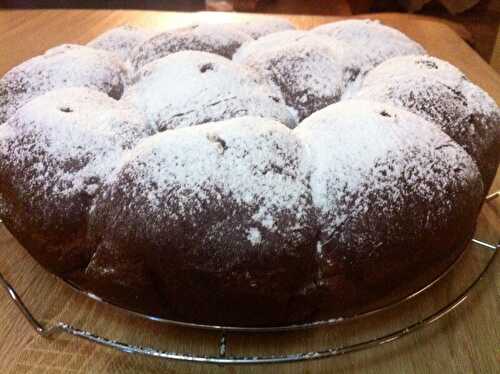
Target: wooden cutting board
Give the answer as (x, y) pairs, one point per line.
(466, 341)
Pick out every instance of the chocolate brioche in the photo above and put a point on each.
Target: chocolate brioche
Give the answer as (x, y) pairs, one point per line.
(314, 174)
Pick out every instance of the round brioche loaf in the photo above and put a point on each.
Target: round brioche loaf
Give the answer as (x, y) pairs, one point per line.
(316, 174)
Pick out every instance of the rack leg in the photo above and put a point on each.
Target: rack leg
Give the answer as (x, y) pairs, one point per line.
(493, 196)
(222, 345)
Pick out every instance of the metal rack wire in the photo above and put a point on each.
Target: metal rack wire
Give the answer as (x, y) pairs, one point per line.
(223, 359)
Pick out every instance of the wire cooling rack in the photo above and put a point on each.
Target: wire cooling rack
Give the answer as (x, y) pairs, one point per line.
(225, 331)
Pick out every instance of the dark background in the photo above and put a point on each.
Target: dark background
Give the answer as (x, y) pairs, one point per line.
(180, 5)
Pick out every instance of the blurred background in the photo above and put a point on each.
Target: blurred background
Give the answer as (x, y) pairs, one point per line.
(477, 21)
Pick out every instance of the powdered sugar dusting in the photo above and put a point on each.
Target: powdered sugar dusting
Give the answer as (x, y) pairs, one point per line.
(76, 135)
(310, 70)
(261, 27)
(245, 139)
(416, 73)
(122, 40)
(222, 39)
(254, 236)
(370, 41)
(379, 148)
(440, 93)
(190, 88)
(56, 68)
(273, 41)
(258, 170)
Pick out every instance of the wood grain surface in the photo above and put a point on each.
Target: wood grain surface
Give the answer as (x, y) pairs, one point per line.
(466, 341)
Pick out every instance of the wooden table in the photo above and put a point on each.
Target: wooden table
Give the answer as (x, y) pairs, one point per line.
(466, 341)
